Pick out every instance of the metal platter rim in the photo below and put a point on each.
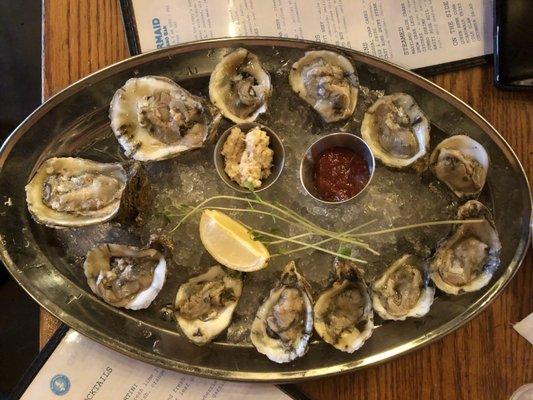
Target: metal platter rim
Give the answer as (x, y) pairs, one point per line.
(81, 326)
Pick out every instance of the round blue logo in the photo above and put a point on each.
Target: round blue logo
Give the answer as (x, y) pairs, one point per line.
(59, 384)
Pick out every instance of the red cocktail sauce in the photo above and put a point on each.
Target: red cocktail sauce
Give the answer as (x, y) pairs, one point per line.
(339, 174)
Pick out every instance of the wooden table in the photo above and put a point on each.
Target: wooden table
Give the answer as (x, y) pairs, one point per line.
(485, 359)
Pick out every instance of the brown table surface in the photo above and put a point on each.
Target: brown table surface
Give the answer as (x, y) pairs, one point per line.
(485, 359)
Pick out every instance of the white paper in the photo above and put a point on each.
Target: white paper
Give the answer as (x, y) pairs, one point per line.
(81, 369)
(412, 33)
(525, 328)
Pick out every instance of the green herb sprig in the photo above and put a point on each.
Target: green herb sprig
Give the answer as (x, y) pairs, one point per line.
(280, 212)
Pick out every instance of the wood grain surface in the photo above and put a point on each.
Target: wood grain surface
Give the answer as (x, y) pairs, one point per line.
(485, 359)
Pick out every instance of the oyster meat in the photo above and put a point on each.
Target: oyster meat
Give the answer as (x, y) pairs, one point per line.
(70, 192)
(204, 305)
(403, 290)
(328, 82)
(343, 312)
(154, 118)
(467, 259)
(240, 86)
(462, 164)
(283, 324)
(125, 276)
(397, 130)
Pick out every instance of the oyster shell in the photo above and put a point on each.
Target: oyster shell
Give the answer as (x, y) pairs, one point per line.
(125, 276)
(328, 82)
(205, 303)
(396, 130)
(462, 164)
(240, 86)
(343, 313)
(70, 192)
(467, 259)
(403, 290)
(283, 324)
(154, 118)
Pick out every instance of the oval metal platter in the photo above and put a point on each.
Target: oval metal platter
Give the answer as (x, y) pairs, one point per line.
(75, 119)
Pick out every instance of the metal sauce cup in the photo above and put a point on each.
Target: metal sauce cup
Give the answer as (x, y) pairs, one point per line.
(277, 163)
(341, 139)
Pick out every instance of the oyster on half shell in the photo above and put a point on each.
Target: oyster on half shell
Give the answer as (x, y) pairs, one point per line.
(154, 118)
(396, 130)
(205, 303)
(467, 259)
(72, 192)
(283, 324)
(462, 164)
(240, 86)
(343, 312)
(328, 82)
(125, 276)
(403, 290)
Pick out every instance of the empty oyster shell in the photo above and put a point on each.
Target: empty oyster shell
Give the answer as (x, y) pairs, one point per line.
(343, 312)
(70, 192)
(462, 164)
(205, 303)
(283, 324)
(240, 86)
(403, 290)
(397, 130)
(154, 118)
(467, 259)
(125, 276)
(328, 82)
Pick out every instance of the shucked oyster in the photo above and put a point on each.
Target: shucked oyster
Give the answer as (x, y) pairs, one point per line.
(283, 324)
(125, 276)
(154, 118)
(466, 261)
(240, 87)
(204, 305)
(68, 192)
(343, 313)
(462, 164)
(397, 130)
(403, 290)
(328, 82)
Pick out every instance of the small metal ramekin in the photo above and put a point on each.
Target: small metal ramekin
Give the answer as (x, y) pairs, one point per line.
(340, 139)
(277, 164)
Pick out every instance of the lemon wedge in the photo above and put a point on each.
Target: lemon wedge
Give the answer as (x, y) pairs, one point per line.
(230, 243)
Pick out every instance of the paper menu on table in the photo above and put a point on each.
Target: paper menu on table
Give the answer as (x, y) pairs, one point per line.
(412, 33)
(82, 369)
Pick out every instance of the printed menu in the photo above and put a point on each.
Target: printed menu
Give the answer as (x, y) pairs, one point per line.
(80, 368)
(412, 33)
